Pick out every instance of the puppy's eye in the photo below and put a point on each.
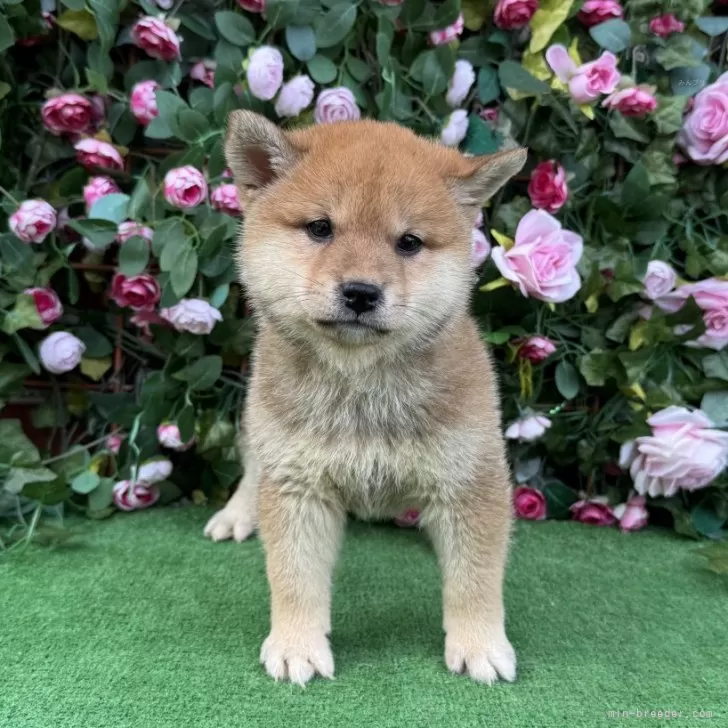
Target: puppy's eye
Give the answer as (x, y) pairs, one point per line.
(409, 244)
(320, 229)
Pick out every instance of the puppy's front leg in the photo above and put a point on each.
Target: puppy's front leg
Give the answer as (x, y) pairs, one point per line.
(471, 539)
(301, 534)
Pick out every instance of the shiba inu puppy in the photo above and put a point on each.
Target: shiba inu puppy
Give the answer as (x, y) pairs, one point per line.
(371, 389)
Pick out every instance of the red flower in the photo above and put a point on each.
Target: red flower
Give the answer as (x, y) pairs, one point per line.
(529, 504)
(140, 293)
(547, 187)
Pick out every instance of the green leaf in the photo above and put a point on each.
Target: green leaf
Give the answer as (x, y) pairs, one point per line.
(202, 374)
(113, 207)
(100, 233)
(514, 76)
(361, 71)
(133, 256)
(636, 186)
(614, 35)
(234, 28)
(139, 200)
(24, 315)
(488, 86)
(11, 375)
(18, 477)
(715, 405)
(169, 106)
(480, 139)
(27, 353)
(596, 366)
(712, 26)
(102, 496)
(716, 365)
(433, 69)
(717, 555)
(334, 25)
(635, 363)
(624, 128)
(7, 34)
(184, 271)
(85, 482)
(678, 52)
(668, 116)
(688, 81)
(80, 22)
(198, 24)
(192, 125)
(97, 345)
(706, 520)
(322, 70)
(16, 256)
(567, 380)
(301, 41)
(559, 498)
(170, 233)
(15, 447)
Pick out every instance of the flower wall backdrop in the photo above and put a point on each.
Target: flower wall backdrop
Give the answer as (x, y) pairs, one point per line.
(602, 271)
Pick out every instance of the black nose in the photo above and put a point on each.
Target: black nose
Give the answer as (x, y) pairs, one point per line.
(360, 297)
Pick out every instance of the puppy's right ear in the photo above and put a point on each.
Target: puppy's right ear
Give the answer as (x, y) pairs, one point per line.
(257, 151)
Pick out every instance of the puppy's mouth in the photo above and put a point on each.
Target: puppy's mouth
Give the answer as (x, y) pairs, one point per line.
(353, 325)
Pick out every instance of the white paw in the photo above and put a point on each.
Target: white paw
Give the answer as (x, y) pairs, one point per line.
(485, 655)
(297, 659)
(233, 521)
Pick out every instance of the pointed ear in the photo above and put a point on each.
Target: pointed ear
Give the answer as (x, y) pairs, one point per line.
(484, 176)
(257, 151)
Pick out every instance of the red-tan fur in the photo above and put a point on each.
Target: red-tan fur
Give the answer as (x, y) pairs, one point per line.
(341, 421)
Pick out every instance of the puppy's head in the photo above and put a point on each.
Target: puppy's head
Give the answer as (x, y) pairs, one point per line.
(357, 234)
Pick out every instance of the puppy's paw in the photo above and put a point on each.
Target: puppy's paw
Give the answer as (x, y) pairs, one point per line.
(484, 654)
(233, 521)
(297, 658)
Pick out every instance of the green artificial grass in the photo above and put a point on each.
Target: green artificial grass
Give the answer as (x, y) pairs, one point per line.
(142, 622)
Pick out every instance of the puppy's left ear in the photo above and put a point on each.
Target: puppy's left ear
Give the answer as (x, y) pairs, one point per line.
(482, 177)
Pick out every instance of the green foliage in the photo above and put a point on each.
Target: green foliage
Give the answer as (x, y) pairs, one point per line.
(628, 199)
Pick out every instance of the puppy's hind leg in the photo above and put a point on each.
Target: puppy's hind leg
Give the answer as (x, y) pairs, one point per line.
(239, 518)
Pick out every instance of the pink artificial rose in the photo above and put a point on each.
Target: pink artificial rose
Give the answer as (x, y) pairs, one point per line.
(98, 187)
(134, 497)
(547, 187)
(185, 187)
(666, 24)
(489, 114)
(528, 428)
(113, 443)
(588, 81)
(514, 14)
(295, 96)
(594, 511)
(594, 12)
(462, 79)
(634, 101)
(632, 515)
(47, 304)
(542, 262)
(91, 153)
(252, 6)
(659, 280)
(536, 349)
(143, 101)
(156, 38)
(479, 248)
(32, 221)
(168, 435)
(704, 134)
(265, 72)
(448, 34)
(455, 128)
(193, 315)
(131, 229)
(683, 451)
(68, 113)
(140, 293)
(225, 199)
(711, 295)
(529, 503)
(204, 72)
(408, 518)
(336, 104)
